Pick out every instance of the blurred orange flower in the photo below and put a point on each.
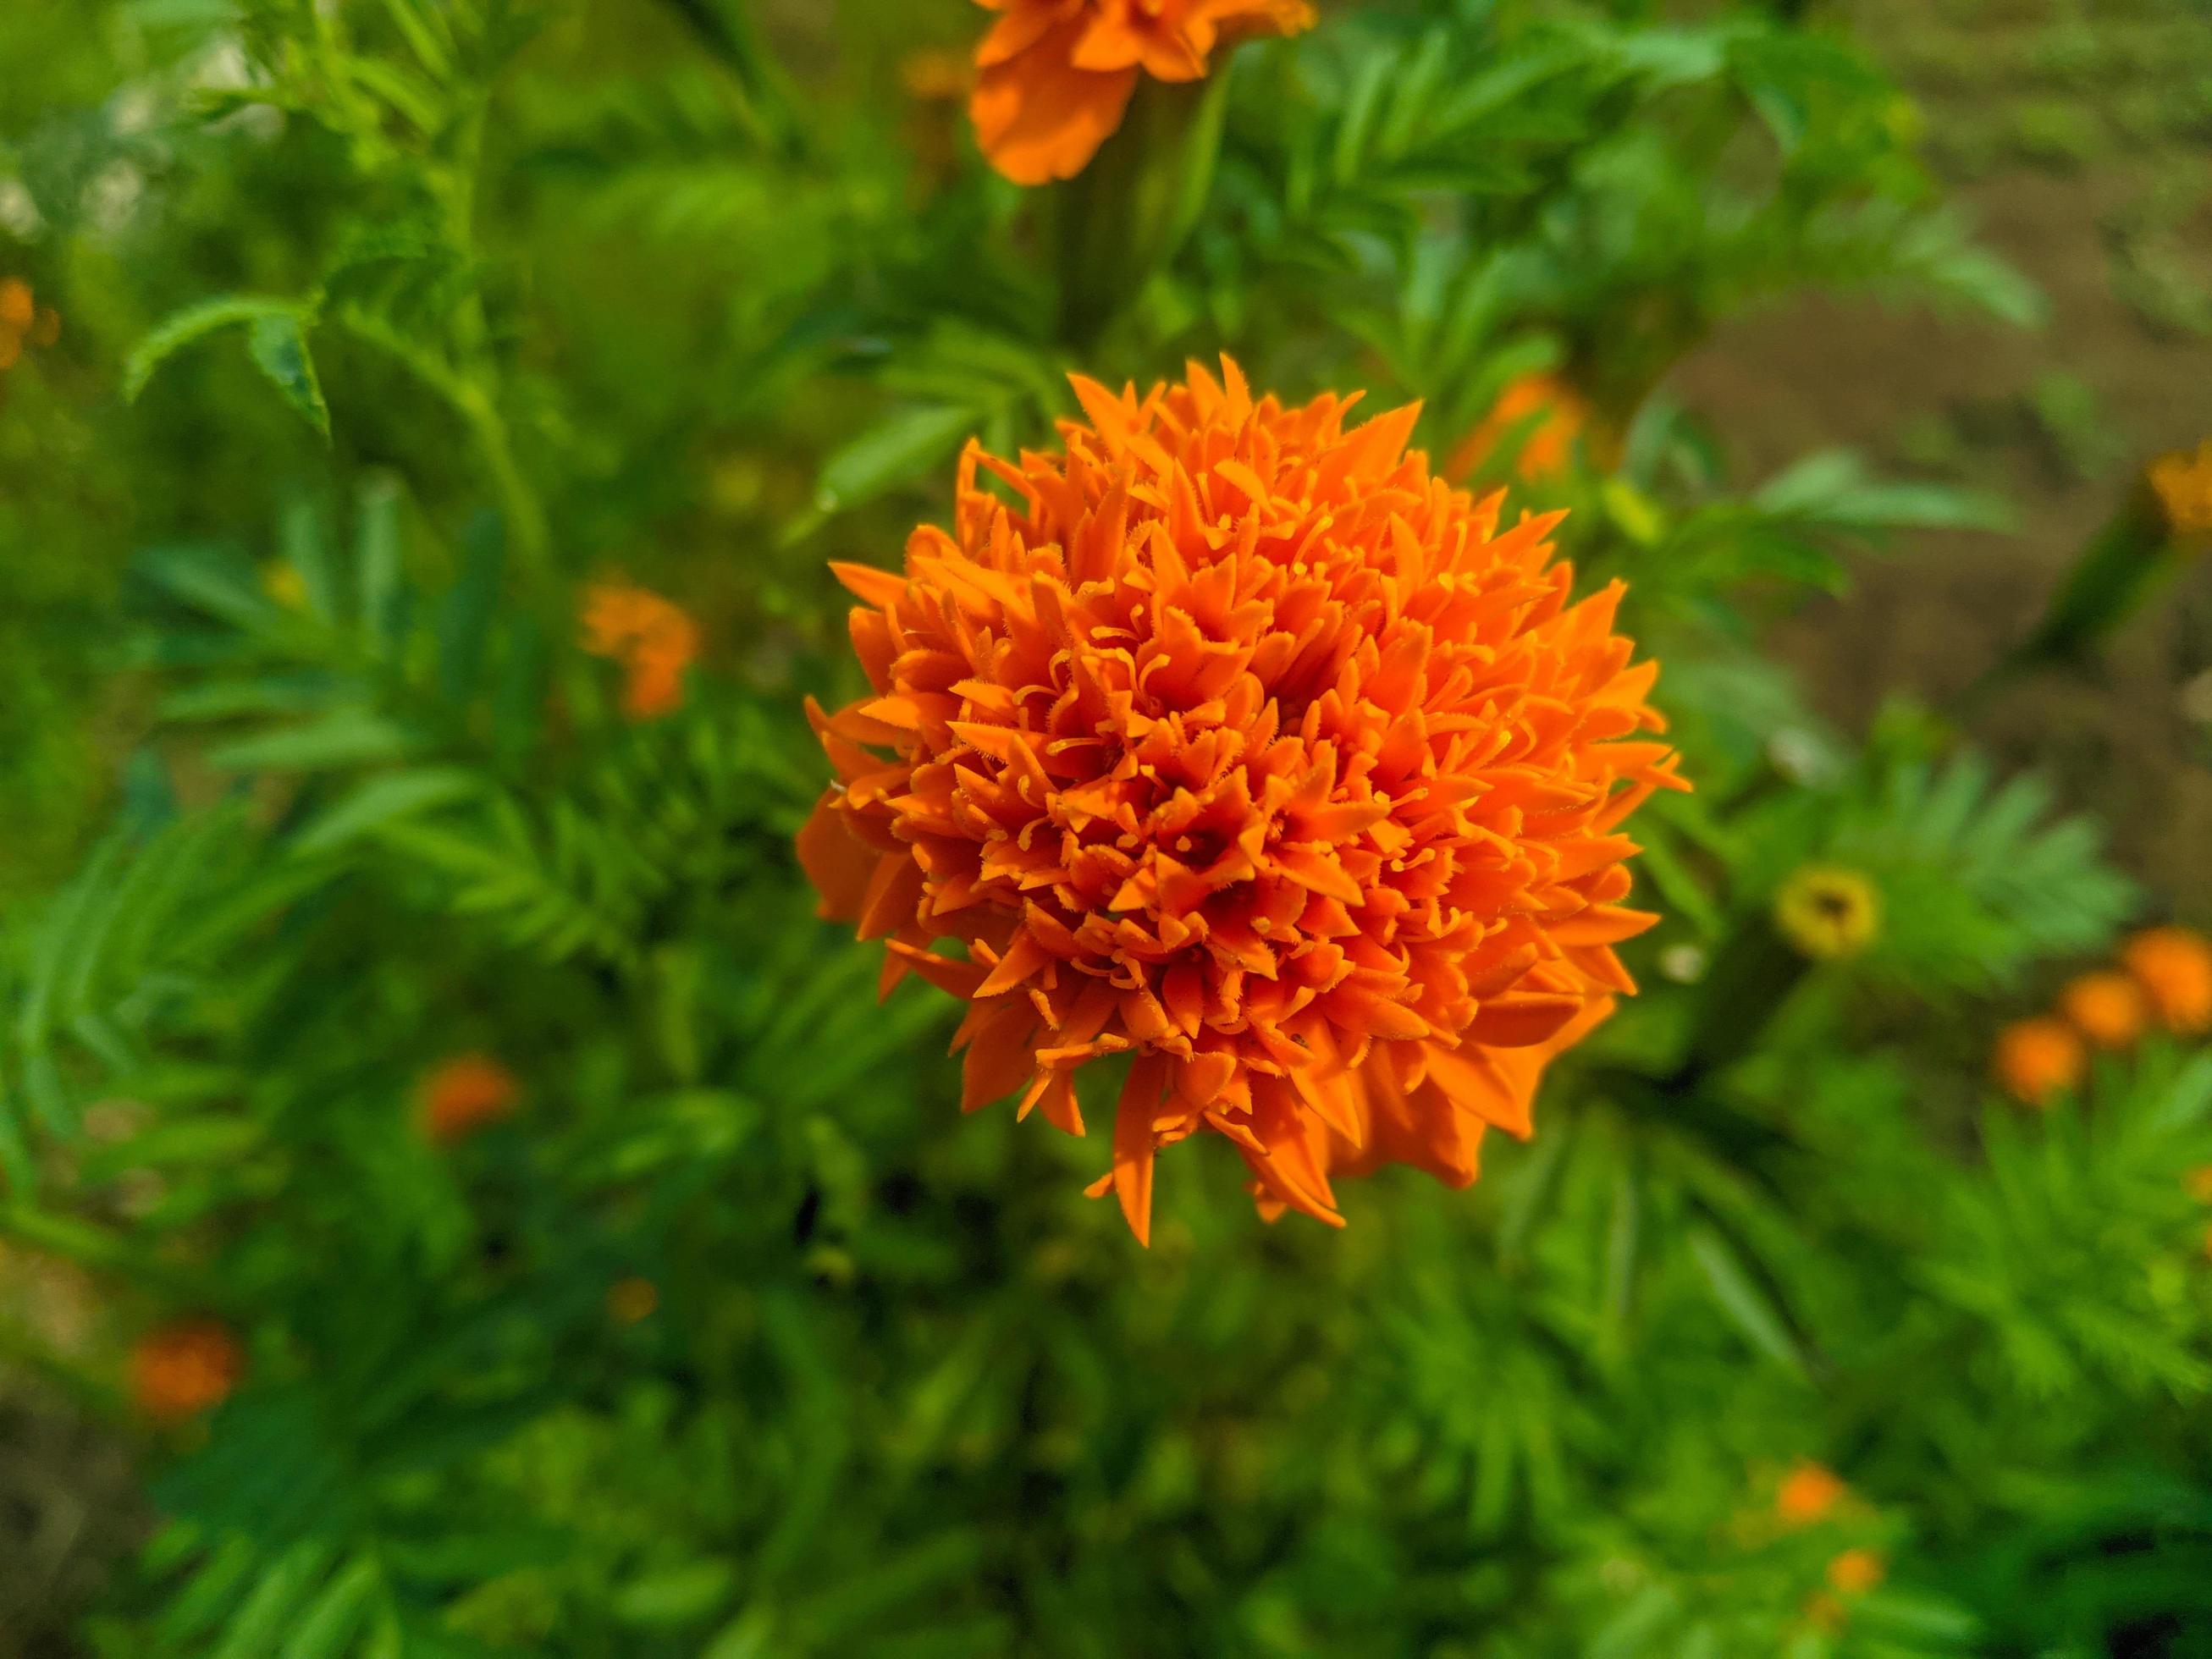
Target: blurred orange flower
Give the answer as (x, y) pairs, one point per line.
(2038, 1060)
(2183, 484)
(1055, 77)
(1550, 413)
(633, 1301)
(23, 321)
(2107, 1008)
(1857, 1571)
(466, 1093)
(1808, 1495)
(653, 639)
(182, 1369)
(2174, 966)
(1247, 749)
(2198, 1181)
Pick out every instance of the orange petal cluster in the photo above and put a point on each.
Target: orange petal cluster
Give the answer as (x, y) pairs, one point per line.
(1227, 739)
(1053, 78)
(653, 639)
(466, 1093)
(1544, 413)
(182, 1369)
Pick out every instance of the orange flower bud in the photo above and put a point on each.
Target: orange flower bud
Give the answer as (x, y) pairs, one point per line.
(2038, 1060)
(464, 1094)
(183, 1370)
(2107, 1008)
(2173, 967)
(1857, 1571)
(1808, 1495)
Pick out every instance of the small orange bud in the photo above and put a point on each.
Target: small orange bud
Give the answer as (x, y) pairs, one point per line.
(633, 1301)
(2038, 1060)
(464, 1094)
(183, 1370)
(2107, 1008)
(2173, 967)
(1808, 1495)
(1857, 1571)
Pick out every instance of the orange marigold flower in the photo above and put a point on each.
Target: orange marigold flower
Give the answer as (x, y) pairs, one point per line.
(1808, 1495)
(464, 1094)
(2174, 966)
(1055, 77)
(653, 639)
(2107, 1008)
(2038, 1060)
(2183, 484)
(1245, 748)
(1854, 1572)
(2198, 1181)
(182, 1369)
(1551, 414)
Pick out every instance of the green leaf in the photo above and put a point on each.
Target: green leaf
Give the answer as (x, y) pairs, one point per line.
(1743, 1300)
(385, 801)
(196, 322)
(677, 1595)
(330, 1624)
(890, 453)
(279, 346)
(344, 737)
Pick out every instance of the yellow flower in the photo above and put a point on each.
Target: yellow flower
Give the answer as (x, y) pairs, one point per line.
(1828, 914)
(2183, 484)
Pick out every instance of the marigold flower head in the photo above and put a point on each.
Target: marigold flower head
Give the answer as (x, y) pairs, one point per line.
(184, 1369)
(1550, 414)
(1243, 747)
(2108, 1008)
(653, 639)
(1055, 77)
(1808, 1495)
(2038, 1060)
(1828, 914)
(464, 1094)
(2173, 967)
(2183, 484)
(2198, 1181)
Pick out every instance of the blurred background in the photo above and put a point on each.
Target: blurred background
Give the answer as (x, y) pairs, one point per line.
(453, 1199)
